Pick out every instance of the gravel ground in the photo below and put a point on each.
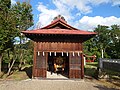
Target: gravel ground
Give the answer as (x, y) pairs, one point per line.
(37, 84)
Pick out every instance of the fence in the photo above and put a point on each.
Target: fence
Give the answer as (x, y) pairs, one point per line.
(111, 64)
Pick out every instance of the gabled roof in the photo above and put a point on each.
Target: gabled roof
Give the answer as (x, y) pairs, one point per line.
(60, 21)
(59, 27)
(59, 31)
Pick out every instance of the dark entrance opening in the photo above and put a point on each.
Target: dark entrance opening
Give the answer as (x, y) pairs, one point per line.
(58, 63)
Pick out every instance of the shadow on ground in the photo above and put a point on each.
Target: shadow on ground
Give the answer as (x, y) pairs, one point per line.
(28, 71)
(104, 88)
(65, 74)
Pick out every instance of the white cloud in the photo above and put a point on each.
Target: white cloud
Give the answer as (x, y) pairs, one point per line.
(115, 2)
(98, 2)
(66, 8)
(81, 5)
(63, 9)
(13, 2)
(89, 23)
(46, 15)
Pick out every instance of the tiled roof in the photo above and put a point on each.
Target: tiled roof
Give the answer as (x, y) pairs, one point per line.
(58, 20)
(59, 31)
(63, 28)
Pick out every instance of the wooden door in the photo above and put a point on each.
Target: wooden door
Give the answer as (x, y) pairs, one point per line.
(74, 66)
(40, 67)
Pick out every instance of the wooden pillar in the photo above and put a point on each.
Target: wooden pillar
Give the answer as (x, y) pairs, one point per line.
(39, 63)
(34, 59)
(74, 65)
(82, 63)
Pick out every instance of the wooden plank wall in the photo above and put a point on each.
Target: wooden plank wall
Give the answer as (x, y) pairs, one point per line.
(58, 46)
(74, 66)
(39, 64)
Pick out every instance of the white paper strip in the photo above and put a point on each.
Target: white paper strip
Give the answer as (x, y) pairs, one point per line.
(78, 54)
(55, 53)
(73, 54)
(43, 53)
(50, 53)
(67, 53)
(38, 53)
(62, 53)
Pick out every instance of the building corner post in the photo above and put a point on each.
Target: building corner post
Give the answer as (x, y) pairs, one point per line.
(82, 62)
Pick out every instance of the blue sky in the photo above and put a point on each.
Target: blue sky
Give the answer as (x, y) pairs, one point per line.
(82, 14)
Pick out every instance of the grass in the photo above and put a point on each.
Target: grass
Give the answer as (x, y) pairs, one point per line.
(90, 68)
(114, 80)
(112, 74)
(18, 75)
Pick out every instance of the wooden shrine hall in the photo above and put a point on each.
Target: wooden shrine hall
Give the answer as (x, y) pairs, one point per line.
(58, 48)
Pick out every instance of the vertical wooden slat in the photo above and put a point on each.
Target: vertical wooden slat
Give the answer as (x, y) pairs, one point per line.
(75, 66)
(34, 61)
(58, 46)
(63, 47)
(82, 63)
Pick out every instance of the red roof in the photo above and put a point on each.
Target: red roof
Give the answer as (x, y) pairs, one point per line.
(59, 31)
(60, 21)
(58, 27)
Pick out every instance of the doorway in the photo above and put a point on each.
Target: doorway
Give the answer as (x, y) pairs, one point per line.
(58, 65)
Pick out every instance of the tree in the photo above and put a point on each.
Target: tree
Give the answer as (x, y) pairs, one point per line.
(98, 44)
(7, 27)
(106, 43)
(90, 48)
(23, 13)
(102, 39)
(13, 19)
(114, 48)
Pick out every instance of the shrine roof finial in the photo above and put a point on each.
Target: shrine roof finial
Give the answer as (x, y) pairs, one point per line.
(59, 16)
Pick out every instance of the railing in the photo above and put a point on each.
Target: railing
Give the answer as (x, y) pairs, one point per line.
(111, 64)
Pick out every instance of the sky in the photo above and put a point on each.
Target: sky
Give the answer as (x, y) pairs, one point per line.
(81, 14)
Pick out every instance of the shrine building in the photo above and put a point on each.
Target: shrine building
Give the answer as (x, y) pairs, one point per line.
(58, 47)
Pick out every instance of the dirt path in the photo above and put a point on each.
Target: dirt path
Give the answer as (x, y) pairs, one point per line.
(36, 84)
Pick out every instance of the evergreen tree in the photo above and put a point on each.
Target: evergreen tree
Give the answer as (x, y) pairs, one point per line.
(24, 20)
(7, 27)
(13, 19)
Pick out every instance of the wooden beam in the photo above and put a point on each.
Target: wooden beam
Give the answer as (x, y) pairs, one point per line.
(34, 60)
(82, 64)
(58, 51)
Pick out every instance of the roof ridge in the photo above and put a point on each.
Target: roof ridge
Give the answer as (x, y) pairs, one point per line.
(54, 22)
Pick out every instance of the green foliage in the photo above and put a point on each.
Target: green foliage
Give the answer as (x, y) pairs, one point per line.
(7, 26)
(90, 68)
(90, 48)
(14, 19)
(114, 48)
(24, 16)
(102, 39)
(107, 39)
(27, 51)
(24, 20)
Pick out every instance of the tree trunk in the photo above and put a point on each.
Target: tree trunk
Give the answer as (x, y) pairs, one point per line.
(9, 58)
(8, 65)
(9, 69)
(20, 65)
(24, 62)
(0, 62)
(102, 53)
